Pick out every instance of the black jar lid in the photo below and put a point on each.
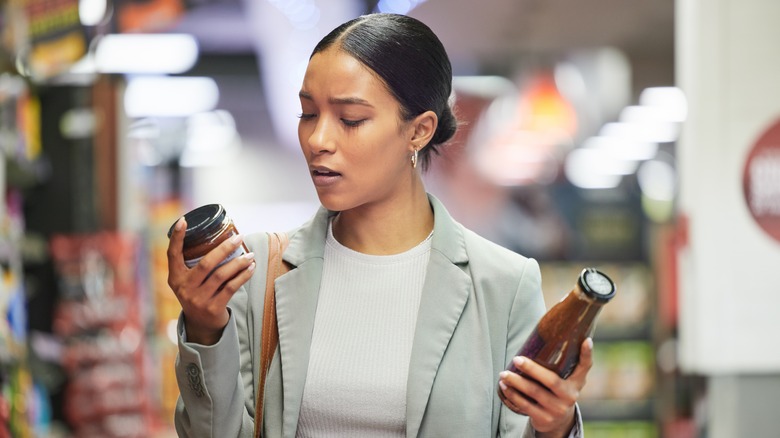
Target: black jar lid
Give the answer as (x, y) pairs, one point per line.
(201, 222)
(596, 285)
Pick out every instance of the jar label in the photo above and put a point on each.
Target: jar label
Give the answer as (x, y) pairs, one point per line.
(238, 252)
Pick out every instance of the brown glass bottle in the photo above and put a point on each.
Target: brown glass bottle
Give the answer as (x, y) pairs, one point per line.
(207, 227)
(555, 342)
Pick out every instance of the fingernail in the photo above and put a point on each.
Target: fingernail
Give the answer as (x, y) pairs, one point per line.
(590, 343)
(502, 385)
(251, 267)
(249, 255)
(180, 224)
(518, 361)
(235, 239)
(503, 374)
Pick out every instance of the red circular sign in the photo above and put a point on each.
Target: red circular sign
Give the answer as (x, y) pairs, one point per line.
(761, 181)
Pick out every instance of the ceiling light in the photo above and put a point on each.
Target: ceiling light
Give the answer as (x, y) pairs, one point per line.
(162, 96)
(398, 6)
(146, 53)
(670, 100)
(651, 132)
(489, 87)
(589, 169)
(623, 149)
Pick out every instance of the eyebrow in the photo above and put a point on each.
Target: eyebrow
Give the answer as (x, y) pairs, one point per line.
(338, 100)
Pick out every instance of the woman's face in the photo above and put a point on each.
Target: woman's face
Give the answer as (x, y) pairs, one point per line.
(355, 144)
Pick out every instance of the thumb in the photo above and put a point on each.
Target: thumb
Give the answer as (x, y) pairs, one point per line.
(586, 360)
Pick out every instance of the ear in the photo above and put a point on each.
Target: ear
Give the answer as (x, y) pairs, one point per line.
(423, 128)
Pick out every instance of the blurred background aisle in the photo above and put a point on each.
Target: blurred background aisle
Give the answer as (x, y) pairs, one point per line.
(638, 137)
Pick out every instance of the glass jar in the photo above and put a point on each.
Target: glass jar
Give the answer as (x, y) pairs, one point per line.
(207, 227)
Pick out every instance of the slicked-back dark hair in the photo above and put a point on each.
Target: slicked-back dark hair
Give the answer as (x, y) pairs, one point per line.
(412, 62)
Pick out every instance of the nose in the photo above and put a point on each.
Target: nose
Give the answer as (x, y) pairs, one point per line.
(318, 137)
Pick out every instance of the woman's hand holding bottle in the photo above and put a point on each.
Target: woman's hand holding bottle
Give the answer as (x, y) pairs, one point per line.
(546, 398)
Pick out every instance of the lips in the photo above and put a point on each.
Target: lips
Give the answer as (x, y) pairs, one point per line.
(323, 176)
(317, 172)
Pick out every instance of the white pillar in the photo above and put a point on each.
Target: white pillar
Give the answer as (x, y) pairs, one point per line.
(728, 64)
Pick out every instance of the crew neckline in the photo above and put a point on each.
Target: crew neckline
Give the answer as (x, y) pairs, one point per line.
(423, 246)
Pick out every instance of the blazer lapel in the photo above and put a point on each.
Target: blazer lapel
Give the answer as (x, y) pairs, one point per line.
(445, 293)
(296, 305)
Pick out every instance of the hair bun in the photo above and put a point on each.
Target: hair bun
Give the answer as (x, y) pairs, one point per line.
(446, 128)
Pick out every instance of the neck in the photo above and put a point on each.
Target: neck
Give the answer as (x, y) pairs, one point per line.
(390, 228)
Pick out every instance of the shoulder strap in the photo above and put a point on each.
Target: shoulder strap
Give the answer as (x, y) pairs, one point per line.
(277, 242)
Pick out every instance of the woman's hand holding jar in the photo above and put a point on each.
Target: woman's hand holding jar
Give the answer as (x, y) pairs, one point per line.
(205, 289)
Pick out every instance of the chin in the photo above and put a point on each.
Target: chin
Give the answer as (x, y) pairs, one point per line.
(331, 203)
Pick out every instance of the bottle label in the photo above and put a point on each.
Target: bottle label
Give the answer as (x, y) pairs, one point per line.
(238, 252)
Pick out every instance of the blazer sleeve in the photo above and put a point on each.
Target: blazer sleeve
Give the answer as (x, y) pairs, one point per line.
(217, 383)
(527, 308)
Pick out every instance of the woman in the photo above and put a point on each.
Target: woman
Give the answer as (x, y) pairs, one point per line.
(394, 320)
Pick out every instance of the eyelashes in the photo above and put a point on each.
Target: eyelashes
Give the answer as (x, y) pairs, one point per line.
(349, 123)
(352, 123)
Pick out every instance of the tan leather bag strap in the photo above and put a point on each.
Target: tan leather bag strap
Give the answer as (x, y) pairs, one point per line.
(277, 243)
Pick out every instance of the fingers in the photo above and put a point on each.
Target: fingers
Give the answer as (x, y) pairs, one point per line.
(542, 386)
(548, 405)
(175, 245)
(542, 395)
(222, 264)
(519, 403)
(210, 262)
(510, 385)
(226, 279)
(205, 305)
(539, 375)
(204, 290)
(523, 388)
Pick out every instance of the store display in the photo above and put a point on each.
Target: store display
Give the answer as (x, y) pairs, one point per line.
(620, 429)
(24, 410)
(165, 306)
(101, 327)
(54, 34)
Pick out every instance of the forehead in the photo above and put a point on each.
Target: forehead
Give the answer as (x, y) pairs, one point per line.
(335, 73)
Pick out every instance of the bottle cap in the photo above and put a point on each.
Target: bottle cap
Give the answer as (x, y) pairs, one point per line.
(200, 220)
(596, 285)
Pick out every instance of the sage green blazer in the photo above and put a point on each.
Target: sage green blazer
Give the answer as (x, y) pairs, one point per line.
(479, 303)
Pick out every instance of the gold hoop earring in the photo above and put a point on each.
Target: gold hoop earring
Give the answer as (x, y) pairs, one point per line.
(414, 158)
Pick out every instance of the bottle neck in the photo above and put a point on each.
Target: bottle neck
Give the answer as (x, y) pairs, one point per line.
(574, 314)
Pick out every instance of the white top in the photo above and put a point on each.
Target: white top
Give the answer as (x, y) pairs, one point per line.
(362, 342)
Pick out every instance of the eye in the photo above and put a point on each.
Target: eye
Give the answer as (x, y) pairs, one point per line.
(352, 123)
(306, 116)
